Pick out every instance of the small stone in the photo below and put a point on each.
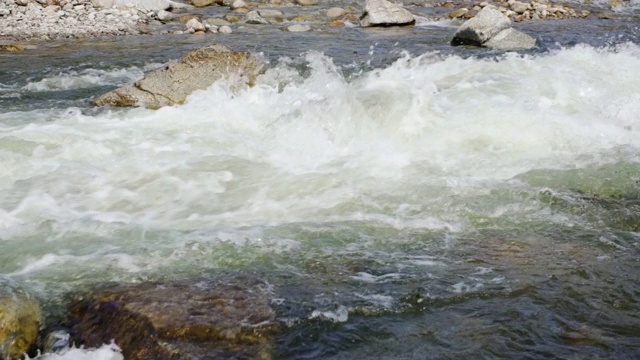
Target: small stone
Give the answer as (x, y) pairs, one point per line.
(216, 22)
(458, 13)
(336, 12)
(202, 3)
(299, 28)
(336, 23)
(5, 12)
(270, 13)
(254, 18)
(236, 4)
(195, 25)
(225, 29)
(164, 15)
(307, 2)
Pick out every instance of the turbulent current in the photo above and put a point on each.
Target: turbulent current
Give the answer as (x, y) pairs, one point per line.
(427, 205)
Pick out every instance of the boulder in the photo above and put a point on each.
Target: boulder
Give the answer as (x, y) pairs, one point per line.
(20, 321)
(488, 23)
(195, 25)
(299, 28)
(490, 28)
(336, 12)
(511, 39)
(201, 320)
(384, 13)
(172, 83)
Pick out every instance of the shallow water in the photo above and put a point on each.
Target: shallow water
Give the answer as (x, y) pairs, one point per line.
(412, 199)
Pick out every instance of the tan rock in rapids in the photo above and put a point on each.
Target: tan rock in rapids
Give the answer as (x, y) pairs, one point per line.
(172, 83)
(20, 321)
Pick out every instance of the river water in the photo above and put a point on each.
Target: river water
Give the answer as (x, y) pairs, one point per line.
(412, 199)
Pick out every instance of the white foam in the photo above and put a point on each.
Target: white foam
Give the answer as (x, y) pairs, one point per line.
(105, 352)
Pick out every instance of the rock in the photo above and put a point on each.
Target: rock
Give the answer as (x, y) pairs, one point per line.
(458, 13)
(5, 12)
(172, 83)
(195, 25)
(102, 4)
(481, 28)
(202, 3)
(511, 39)
(237, 4)
(216, 22)
(519, 7)
(384, 13)
(253, 17)
(11, 47)
(204, 320)
(224, 29)
(336, 12)
(164, 15)
(299, 28)
(270, 13)
(150, 5)
(20, 321)
(307, 2)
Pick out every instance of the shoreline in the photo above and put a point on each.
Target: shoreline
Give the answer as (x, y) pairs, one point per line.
(46, 20)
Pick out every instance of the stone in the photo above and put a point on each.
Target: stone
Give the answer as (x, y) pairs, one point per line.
(202, 3)
(11, 47)
(458, 13)
(481, 28)
(336, 12)
(224, 29)
(5, 12)
(201, 320)
(384, 13)
(270, 13)
(253, 17)
(172, 83)
(237, 4)
(511, 39)
(20, 320)
(299, 28)
(519, 7)
(164, 15)
(102, 4)
(195, 25)
(307, 2)
(216, 22)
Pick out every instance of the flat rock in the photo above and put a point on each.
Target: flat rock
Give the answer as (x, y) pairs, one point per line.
(172, 83)
(511, 39)
(384, 13)
(486, 24)
(336, 12)
(299, 28)
(20, 320)
(201, 320)
(253, 17)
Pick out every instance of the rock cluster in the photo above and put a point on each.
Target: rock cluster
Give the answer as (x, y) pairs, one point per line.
(53, 19)
(491, 28)
(172, 83)
(522, 10)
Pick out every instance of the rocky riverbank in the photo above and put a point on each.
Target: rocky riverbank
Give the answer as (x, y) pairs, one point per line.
(60, 19)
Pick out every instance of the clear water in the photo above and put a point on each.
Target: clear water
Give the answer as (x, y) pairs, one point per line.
(402, 198)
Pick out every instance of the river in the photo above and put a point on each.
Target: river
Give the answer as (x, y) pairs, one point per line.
(417, 200)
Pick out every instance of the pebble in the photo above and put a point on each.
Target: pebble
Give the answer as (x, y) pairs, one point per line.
(225, 29)
(336, 12)
(299, 28)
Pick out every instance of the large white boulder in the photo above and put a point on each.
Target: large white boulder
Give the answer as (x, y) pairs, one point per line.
(385, 13)
(511, 39)
(172, 83)
(486, 24)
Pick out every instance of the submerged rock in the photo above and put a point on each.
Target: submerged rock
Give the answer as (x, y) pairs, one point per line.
(491, 28)
(20, 321)
(172, 83)
(203, 320)
(384, 13)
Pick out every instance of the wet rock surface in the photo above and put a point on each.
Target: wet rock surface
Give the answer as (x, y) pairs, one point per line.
(20, 321)
(490, 28)
(196, 320)
(172, 83)
(384, 13)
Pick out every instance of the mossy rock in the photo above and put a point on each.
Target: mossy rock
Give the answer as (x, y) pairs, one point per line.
(20, 321)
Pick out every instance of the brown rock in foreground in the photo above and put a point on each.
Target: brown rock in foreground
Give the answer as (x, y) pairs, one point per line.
(172, 83)
(177, 321)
